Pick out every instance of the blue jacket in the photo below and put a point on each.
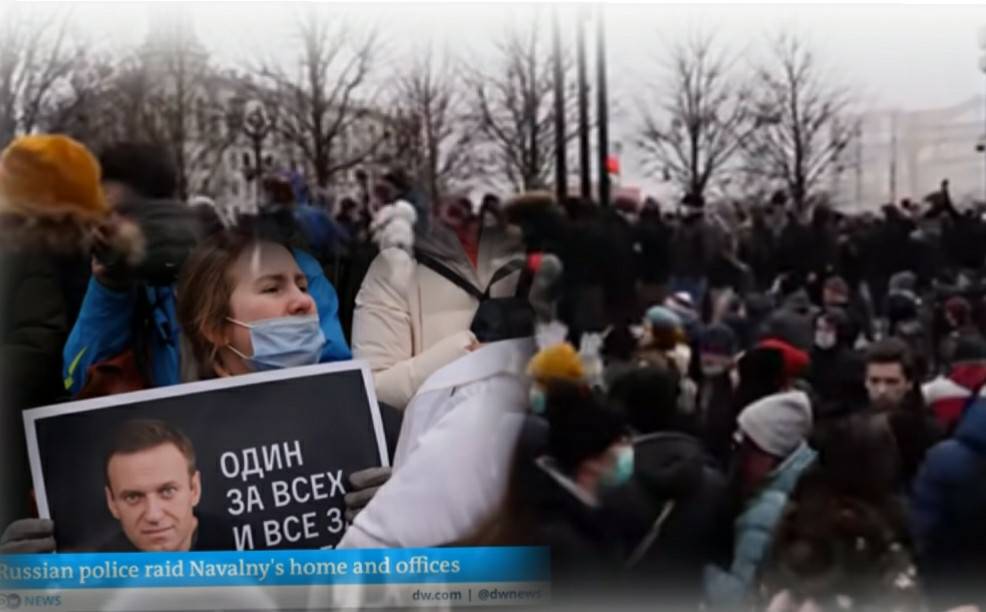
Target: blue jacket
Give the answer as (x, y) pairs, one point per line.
(754, 531)
(948, 512)
(104, 328)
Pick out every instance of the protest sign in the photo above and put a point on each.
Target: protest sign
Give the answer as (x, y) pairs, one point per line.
(249, 462)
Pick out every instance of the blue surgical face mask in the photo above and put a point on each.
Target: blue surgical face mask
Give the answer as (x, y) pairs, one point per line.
(283, 342)
(537, 400)
(623, 470)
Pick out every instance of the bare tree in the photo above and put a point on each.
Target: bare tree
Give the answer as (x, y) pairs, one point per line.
(512, 107)
(192, 114)
(703, 115)
(134, 96)
(34, 54)
(801, 126)
(77, 105)
(428, 125)
(319, 110)
(169, 95)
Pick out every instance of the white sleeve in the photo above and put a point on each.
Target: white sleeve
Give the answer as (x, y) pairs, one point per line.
(455, 478)
(383, 331)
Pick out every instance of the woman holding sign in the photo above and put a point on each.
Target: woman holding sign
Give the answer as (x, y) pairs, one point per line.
(244, 306)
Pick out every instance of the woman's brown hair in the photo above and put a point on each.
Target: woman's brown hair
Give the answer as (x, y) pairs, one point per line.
(204, 290)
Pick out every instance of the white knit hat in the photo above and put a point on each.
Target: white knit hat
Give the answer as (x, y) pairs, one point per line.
(778, 423)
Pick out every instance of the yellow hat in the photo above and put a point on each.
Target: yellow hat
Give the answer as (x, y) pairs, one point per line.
(560, 361)
(50, 176)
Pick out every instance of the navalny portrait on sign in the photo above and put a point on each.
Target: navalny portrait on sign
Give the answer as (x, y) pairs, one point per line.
(153, 488)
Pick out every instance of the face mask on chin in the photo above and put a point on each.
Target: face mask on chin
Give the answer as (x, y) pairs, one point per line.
(282, 342)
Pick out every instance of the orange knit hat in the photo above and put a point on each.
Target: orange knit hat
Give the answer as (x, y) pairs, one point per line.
(560, 361)
(50, 176)
(51, 196)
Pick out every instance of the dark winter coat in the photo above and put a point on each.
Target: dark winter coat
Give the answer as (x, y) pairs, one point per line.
(583, 538)
(654, 237)
(692, 249)
(837, 377)
(794, 252)
(677, 519)
(32, 331)
(948, 514)
(837, 374)
(757, 249)
(717, 418)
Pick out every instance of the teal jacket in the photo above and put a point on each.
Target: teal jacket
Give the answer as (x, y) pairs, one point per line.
(104, 328)
(754, 532)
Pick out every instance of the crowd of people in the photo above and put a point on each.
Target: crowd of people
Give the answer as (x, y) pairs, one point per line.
(757, 407)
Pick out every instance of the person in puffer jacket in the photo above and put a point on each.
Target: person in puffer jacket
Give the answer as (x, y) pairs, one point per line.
(947, 395)
(948, 514)
(843, 543)
(772, 456)
(410, 320)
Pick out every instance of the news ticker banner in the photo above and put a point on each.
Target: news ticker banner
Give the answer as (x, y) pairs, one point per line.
(275, 580)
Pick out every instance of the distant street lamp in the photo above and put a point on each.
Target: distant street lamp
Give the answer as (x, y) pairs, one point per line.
(256, 126)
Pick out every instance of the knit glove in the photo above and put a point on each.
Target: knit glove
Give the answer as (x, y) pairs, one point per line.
(28, 536)
(365, 484)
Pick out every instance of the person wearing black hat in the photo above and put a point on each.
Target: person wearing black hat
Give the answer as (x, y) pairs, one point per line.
(559, 495)
(675, 512)
(716, 411)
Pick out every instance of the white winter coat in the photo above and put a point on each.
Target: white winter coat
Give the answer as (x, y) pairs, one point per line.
(410, 321)
(452, 463)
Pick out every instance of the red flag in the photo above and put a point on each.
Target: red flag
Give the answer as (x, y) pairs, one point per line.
(613, 164)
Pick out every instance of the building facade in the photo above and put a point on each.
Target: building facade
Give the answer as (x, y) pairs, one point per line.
(224, 158)
(906, 154)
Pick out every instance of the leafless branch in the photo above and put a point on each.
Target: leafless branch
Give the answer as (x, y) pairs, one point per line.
(802, 132)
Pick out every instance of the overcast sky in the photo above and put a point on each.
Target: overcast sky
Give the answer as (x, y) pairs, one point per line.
(892, 56)
(908, 56)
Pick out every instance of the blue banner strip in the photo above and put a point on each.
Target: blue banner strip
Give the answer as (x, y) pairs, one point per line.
(274, 568)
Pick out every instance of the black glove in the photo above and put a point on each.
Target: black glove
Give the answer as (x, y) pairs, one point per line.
(171, 230)
(365, 484)
(168, 231)
(28, 536)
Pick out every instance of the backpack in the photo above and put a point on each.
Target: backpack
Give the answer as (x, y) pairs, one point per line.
(130, 370)
(497, 318)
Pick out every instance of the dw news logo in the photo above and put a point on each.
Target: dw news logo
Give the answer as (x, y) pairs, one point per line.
(13, 601)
